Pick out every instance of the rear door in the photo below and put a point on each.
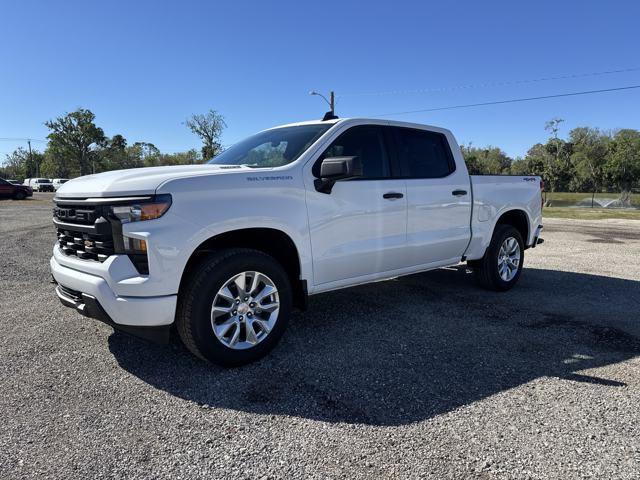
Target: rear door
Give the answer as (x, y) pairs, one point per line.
(359, 229)
(438, 195)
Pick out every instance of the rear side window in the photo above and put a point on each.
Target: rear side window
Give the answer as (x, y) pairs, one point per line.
(365, 142)
(424, 154)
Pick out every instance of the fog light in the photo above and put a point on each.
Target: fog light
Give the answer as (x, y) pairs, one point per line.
(136, 250)
(134, 245)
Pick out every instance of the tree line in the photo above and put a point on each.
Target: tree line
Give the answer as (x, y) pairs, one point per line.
(77, 146)
(588, 160)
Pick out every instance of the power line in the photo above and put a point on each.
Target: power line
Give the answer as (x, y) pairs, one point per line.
(491, 84)
(512, 100)
(15, 139)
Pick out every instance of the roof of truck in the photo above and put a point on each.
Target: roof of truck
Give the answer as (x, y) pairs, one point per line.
(362, 120)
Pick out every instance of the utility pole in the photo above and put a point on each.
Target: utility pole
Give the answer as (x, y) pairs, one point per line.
(31, 158)
(331, 101)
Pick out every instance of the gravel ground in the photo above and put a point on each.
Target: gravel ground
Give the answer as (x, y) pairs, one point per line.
(421, 377)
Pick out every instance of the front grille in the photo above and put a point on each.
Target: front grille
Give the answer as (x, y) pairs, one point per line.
(84, 231)
(87, 230)
(84, 215)
(84, 245)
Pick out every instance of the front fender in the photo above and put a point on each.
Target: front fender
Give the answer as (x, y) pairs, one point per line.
(213, 205)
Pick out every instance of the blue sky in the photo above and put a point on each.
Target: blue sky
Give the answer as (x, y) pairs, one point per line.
(142, 67)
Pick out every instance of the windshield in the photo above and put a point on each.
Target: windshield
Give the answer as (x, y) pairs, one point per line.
(272, 148)
(43, 180)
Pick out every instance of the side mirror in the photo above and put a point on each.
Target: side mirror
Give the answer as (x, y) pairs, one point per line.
(337, 168)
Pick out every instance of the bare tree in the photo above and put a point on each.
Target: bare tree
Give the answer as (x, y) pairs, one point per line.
(553, 126)
(208, 127)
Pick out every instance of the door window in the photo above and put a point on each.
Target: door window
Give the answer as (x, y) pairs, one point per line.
(365, 142)
(424, 154)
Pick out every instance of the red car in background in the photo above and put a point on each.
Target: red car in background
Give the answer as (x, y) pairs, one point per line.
(11, 190)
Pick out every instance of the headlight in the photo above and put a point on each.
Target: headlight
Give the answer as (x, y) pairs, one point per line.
(143, 210)
(148, 208)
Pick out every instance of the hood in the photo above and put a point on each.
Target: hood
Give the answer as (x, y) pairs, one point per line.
(135, 181)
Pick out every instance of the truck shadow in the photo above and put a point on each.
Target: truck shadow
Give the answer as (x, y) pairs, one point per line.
(408, 349)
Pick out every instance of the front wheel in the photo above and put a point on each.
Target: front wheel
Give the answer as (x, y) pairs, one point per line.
(20, 196)
(235, 307)
(501, 266)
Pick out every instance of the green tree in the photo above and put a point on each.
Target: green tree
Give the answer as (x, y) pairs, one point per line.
(590, 148)
(181, 158)
(145, 154)
(116, 155)
(54, 166)
(20, 164)
(535, 160)
(208, 127)
(553, 127)
(486, 161)
(74, 139)
(623, 162)
(558, 170)
(521, 166)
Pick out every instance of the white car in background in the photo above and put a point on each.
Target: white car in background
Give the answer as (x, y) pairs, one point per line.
(39, 184)
(58, 182)
(226, 249)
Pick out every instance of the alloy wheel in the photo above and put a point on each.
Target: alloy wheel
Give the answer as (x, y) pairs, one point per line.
(509, 259)
(245, 310)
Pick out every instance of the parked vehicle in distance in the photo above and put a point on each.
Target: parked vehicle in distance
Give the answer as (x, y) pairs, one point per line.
(40, 184)
(227, 249)
(15, 182)
(13, 190)
(58, 182)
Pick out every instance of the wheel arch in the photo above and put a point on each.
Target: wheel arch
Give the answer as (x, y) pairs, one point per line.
(517, 218)
(270, 241)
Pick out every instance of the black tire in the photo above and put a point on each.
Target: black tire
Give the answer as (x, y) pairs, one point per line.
(486, 269)
(20, 196)
(193, 315)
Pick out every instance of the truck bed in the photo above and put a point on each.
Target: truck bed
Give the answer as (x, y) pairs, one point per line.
(493, 195)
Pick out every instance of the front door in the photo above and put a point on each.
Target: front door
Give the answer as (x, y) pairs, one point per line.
(359, 229)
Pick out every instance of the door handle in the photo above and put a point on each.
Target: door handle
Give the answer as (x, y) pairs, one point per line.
(459, 193)
(392, 195)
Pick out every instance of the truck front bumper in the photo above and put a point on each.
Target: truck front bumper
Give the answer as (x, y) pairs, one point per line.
(91, 295)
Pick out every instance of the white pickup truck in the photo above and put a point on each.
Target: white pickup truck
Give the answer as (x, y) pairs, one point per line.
(225, 250)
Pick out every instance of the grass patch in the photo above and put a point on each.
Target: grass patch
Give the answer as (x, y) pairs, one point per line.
(590, 213)
(570, 199)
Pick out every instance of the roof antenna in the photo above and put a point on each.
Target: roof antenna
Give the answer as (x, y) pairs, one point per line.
(330, 115)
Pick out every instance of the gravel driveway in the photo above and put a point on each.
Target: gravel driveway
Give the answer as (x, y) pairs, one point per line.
(421, 377)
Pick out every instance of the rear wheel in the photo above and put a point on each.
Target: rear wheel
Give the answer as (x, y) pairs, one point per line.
(501, 266)
(235, 307)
